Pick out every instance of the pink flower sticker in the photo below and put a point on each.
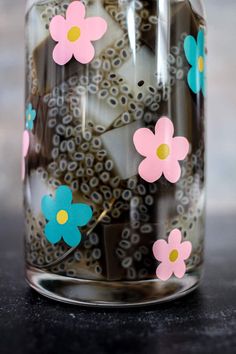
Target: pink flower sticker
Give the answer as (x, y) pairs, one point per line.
(25, 149)
(161, 150)
(75, 33)
(172, 255)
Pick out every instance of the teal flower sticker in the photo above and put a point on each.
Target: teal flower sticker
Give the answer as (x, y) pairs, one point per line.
(195, 54)
(64, 217)
(30, 117)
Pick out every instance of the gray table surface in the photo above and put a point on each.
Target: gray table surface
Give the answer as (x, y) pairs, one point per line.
(202, 322)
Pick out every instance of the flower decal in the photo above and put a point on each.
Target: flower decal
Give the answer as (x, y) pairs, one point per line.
(30, 117)
(63, 217)
(195, 54)
(161, 150)
(75, 33)
(25, 149)
(172, 255)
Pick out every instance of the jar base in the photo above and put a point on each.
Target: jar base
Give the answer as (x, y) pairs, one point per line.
(110, 294)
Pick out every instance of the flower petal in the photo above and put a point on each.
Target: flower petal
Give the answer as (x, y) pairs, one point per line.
(57, 28)
(201, 43)
(84, 51)
(179, 269)
(33, 114)
(26, 142)
(48, 207)
(144, 141)
(29, 108)
(150, 170)
(62, 53)
(174, 239)
(53, 232)
(94, 28)
(164, 271)
(161, 250)
(164, 130)
(185, 249)
(194, 79)
(172, 170)
(71, 235)
(63, 197)
(29, 125)
(190, 48)
(81, 214)
(75, 12)
(180, 148)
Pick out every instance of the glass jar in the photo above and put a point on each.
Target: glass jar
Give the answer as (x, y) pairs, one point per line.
(113, 149)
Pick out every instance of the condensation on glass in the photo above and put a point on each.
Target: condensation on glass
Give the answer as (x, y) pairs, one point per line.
(82, 137)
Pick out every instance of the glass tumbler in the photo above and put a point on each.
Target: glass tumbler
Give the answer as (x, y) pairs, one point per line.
(113, 149)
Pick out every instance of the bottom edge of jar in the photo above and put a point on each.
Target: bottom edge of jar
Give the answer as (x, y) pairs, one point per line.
(98, 293)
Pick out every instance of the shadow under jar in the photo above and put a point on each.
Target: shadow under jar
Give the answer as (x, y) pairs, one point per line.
(113, 149)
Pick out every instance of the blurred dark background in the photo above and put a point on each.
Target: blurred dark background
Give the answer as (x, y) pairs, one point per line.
(221, 123)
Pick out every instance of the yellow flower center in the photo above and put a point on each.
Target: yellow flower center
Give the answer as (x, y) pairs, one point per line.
(163, 151)
(73, 34)
(173, 255)
(200, 64)
(62, 217)
(29, 117)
